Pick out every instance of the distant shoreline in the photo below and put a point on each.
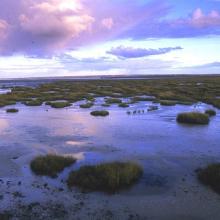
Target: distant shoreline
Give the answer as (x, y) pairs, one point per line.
(107, 77)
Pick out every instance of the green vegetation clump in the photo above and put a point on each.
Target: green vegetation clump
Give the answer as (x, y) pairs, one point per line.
(102, 113)
(184, 103)
(60, 104)
(12, 110)
(168, 102)
(178, 89)
(193, 118)
(6, 102)
(48, 103)
(210, 176)
(87, 105)
(141, 99)
(123, 105)
(5, 216)
(210, 112)
(214, 102)
(33, 103)
(113, 101)
(50, 165)
(109, 177)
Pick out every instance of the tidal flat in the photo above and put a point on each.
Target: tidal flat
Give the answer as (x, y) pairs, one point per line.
(168, 152)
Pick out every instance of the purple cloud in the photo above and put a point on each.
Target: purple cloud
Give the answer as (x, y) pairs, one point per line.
(53, 26)
(196, 24)
(201, 20)
(130, 52)
(48, 27)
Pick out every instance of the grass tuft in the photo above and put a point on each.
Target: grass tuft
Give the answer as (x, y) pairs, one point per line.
(102, 113)
(60, 104)
(193, 118)
(123, 105)
(33, 103)
(168, 102)
(210, 112)
(210, 176)
(50, 165)
(87, 105)
(113, 101)
(12, 110)
(108, 177)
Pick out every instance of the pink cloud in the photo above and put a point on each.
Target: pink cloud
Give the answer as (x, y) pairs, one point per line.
(3, 29)
(199, 19)
(59, 20)
(108, 23)
(46, 27)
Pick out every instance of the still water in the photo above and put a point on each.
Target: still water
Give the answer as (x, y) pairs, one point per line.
(169, 152)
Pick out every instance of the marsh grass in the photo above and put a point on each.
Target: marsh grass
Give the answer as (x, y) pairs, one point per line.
(5, 216)
(87, 105)
(6, 103)
(113, 101)
(123, 105)
(108, 177)
(59, 104)
(50, 165)
(210, 112)
(12, 110)
(210, 176)
(33, 103)
(182, 90)
(184, 102)
(141, 99)
(193, 118)
(168, 102)
(102, 113)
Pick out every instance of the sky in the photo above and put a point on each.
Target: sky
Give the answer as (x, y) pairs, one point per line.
(47, 38)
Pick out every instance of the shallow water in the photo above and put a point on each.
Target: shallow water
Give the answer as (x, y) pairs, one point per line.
(169, 152)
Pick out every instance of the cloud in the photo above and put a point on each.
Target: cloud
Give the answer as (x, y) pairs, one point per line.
(196, 24)
(209, 65)
(44, 28)
(56, 20)
(103, 64)
(130, 52)
(108, 23)
(200, 20)
(3, 29)
(49, 27)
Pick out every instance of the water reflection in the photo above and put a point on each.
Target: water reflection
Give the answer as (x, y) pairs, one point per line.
(5, 91)
(152, 136)
(3, 125)
(75, 143)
